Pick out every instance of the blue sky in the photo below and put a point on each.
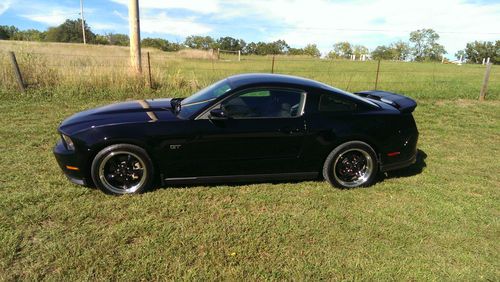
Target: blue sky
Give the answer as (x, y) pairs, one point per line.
(299, 22)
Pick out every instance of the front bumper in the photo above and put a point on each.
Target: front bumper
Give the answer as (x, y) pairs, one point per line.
(67, 158)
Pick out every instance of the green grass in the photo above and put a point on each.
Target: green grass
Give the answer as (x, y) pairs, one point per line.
(438, 220)
(69, 69)
(439, 224)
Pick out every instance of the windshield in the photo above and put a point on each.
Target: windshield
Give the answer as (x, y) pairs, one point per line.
(197, 101)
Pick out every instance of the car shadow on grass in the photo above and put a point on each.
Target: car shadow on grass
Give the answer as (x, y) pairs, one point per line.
(409, 171)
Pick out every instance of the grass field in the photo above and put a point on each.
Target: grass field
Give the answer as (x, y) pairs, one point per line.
(103, 71)
(437, 220)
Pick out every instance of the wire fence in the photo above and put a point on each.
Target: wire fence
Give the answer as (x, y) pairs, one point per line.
(192, 71)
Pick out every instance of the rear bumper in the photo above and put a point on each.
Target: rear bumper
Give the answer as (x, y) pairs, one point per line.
(66, 158)
(403, 151)
(399, 164)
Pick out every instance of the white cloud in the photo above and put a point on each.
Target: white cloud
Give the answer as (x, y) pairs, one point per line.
(4, 6)
(51, 17)
(325, 22)
(163, 24)
(198, 6)
(154, 19)
(50, 14)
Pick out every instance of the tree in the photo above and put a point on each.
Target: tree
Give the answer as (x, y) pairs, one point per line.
(230, 44)
(29, 35)
(101, 40)
(341, 50)
(296, 51)
(70, 31)
(359, 50)
(425, 46)
(118, 39)
(312, 50)
(161, 44)
(7, 32)
(262, 48)
(401, 50)
(383, 53)
(277, 47)
(476, 51)
(271, 48)
(460, 55)
(398, 51)
(250, 48)
(200, 42)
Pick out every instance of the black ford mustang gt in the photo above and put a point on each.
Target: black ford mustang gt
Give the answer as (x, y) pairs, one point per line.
(249, 127)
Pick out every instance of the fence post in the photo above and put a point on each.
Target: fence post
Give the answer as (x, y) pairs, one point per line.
(272, 67)
(239, 55)
(17, 71)
(484, 88)
(149, 71)
(376, 78)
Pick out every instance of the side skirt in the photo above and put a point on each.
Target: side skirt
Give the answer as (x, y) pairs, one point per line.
(241, 178)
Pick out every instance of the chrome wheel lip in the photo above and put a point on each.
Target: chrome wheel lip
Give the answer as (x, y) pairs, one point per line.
(121, 190)
(363, 178)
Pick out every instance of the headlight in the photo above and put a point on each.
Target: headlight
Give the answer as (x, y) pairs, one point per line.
(69, 143)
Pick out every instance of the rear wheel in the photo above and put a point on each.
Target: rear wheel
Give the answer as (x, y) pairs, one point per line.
(122, 169)
(352, 164)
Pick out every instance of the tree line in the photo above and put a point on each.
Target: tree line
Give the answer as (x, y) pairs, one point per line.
(422, 44)
(71, 31)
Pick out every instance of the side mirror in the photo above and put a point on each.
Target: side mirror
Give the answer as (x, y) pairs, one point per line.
(217, 114)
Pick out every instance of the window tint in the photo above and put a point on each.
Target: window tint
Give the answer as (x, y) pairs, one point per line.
(261, 103)
(202, 98)
(209, 93)
(263, 93)
(331, 103)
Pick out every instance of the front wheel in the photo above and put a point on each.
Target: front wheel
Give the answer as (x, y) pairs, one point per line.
(352, 164)
(122, 169)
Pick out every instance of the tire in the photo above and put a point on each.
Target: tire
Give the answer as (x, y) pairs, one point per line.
(122, 169)
(350, 165)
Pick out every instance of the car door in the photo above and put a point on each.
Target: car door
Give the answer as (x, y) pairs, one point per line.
(262, 134)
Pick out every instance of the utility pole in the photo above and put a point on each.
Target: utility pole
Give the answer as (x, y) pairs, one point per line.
(135, 37)
(83, 22)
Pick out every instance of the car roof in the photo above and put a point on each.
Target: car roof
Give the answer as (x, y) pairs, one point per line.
(241, 80)
(253, 78)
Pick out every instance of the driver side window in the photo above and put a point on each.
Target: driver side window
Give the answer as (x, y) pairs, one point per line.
(265, 103)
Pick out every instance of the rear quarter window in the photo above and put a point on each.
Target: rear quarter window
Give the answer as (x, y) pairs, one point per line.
(333, 103)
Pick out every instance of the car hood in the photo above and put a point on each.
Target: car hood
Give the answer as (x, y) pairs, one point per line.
(152, 110)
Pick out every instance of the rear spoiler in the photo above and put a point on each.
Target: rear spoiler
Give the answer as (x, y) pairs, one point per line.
(400, 102)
